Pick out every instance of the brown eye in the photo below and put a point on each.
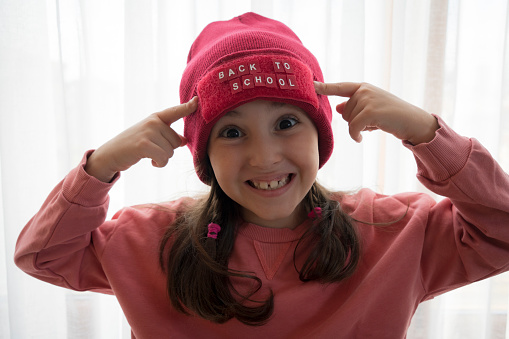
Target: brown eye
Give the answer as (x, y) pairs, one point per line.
(287, 123)
(231, 133)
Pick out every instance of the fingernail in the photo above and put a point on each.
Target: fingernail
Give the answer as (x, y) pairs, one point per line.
(194, 100)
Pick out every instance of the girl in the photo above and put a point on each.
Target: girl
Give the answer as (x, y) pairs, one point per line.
(269, 252)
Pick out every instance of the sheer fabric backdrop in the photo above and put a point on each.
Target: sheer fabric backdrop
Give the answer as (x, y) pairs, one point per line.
(75, 73)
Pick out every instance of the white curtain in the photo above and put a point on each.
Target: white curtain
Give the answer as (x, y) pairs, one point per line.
(74, 73)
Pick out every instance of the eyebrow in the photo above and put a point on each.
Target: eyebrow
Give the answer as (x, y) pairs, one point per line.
(278, 104)
(232, 113)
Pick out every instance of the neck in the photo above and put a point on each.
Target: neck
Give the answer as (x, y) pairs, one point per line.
(297, 217)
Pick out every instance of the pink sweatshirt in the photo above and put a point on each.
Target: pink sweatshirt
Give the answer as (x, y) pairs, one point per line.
(436, 247)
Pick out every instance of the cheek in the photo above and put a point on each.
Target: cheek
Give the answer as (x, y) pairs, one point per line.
(215, 164)
(305, 149)
(222, 163)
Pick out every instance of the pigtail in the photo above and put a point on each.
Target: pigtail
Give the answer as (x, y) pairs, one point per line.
(335, 249)
(211, 241)
(196, 264)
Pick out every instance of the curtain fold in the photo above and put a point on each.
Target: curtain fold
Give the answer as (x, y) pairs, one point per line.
(75, 73)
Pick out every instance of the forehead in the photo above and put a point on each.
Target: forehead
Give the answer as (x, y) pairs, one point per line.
(262, 104)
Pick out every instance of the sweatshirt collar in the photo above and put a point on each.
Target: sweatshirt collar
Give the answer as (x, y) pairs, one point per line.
(273, 235)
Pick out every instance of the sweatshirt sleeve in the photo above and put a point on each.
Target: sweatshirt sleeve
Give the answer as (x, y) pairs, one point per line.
(467, 234)
(62, 239)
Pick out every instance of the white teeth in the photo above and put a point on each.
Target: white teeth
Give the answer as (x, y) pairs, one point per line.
(272, 185)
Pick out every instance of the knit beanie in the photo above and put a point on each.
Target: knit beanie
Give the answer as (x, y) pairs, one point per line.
(247, 58)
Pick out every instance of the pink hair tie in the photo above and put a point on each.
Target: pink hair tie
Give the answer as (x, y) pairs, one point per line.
(316, 213)
(213, 230)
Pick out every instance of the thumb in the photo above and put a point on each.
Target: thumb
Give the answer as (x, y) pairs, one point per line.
(341, 107)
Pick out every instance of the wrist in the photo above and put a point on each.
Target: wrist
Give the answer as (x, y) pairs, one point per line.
(427, 131)
(95, 167)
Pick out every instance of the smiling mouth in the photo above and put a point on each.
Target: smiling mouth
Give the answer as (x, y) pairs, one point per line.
(270, 185)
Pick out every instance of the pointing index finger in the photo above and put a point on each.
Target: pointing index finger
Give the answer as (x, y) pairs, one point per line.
(172, 114)
(342, 89)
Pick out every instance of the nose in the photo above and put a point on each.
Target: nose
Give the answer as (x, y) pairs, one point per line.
(264, 151)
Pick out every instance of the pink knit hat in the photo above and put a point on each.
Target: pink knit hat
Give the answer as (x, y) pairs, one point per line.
(243, 59)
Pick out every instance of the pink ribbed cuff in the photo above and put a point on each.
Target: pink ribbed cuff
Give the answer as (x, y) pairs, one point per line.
(442, 157)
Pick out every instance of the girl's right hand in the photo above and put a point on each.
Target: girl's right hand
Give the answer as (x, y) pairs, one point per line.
(151, 138)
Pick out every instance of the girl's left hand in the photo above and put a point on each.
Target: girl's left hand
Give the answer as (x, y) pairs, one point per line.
(370, 108)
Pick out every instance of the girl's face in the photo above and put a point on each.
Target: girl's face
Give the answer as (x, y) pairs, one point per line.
(265, 157)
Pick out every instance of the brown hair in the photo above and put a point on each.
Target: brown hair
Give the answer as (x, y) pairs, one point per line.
(198, 277)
